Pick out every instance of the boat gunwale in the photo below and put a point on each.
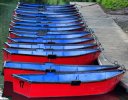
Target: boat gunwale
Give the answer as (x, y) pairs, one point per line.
(97, 50)
(23, 79)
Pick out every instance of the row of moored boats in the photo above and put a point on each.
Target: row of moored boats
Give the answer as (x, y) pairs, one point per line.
(51, 52)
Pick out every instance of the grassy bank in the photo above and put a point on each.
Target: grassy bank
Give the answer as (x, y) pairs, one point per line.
(113, 4)
(109, 4)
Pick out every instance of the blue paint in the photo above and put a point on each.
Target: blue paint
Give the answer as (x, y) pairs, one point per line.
(59, 53)
(51, 24)
(49, 46)
(57, 68)
(47, 28)
(43, 40)
(46, 35)
(67, 78)
(55, 33)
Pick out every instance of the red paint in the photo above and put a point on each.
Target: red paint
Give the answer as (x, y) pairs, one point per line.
(76, 60)
(33, 90)
(110, 96)
(5, 45)
(8, 79)
(9, 71)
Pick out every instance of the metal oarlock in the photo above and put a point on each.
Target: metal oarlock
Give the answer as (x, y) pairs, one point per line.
(96, 39)
(94, 36)
(122, 67)
(116, 63)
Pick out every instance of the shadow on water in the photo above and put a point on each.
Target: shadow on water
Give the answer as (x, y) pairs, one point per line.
(117, 94)
(121, 93)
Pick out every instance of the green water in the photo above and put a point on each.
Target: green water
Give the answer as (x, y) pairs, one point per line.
(6, 10)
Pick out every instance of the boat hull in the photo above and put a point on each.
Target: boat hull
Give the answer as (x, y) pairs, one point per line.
(9, 71)
(76, 28)
(16, 35)
(33, 90)
(81, 60)
(47, 9)
(43, 15)
(53, 42)
(109, 96)
(8, 79)
(48, 47)
(55, 25)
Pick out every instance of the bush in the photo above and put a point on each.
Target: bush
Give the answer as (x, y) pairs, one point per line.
(84, 0)
(114, 4)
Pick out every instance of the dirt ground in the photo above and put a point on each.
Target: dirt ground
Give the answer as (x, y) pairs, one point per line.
(120, 17)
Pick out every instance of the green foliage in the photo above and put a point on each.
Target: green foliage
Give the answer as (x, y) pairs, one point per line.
(57, 2)
(84, 0)
(114, 4)
(53, 2)
(7, 1)
(1, 80)
(99, 1)
(29, 1)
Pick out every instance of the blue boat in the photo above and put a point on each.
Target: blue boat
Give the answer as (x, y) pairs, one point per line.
(76, 18)
(51, 24)
(46, 35)
(11, 68)
(43, 15)
(44, 12)
(71, 85)
(48, 20)
(41, 32)
(47, 9)
(57, 68)
(69, 57)
(46, 27)
(73, 18)
(50, 46)
(53, 41)
(58, 53)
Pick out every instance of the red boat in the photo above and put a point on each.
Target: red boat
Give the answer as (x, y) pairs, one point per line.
(34, 68)
(28, 68)
(109, 96)
(83, 57)
(66, 85)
